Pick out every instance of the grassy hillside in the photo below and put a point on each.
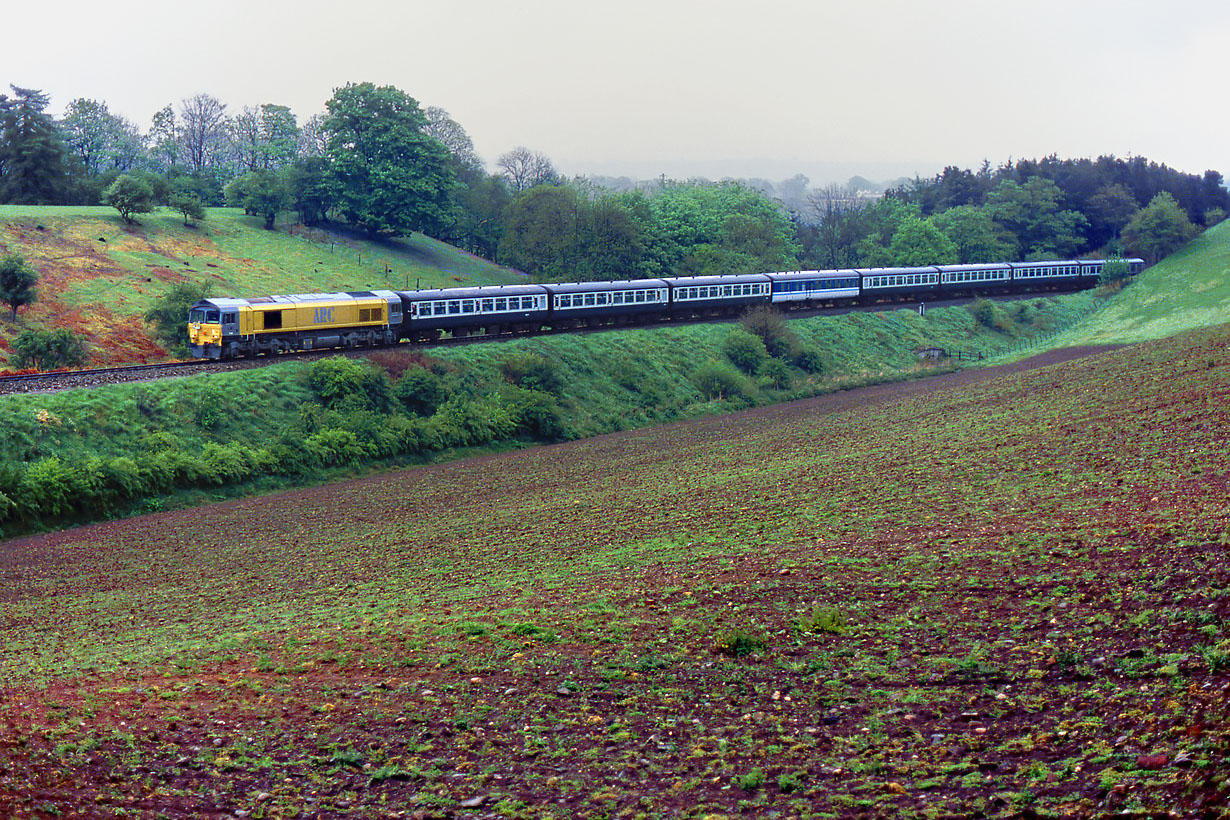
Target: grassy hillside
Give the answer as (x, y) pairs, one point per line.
(98, 275)
(1187, 290)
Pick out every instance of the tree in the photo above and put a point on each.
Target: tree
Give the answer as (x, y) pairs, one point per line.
(48, 349)
(202, 131)
(170, 315)
(448, 131)
(264, 193)
(541, 233)
(187, 202)
(307, 183)
(1111, 208)
(388, 176)
(1033, 213)
(840, 216)
(32, 151)
(977, 236)
(918, 242)
(264, 138)
(18, 283)
(1158, 229)
(129, 195)
(164, 138)
(524, 169)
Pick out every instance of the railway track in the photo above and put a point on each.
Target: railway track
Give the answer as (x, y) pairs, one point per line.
(56, 380)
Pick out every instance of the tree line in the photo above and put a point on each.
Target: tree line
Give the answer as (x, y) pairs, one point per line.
(376, 160)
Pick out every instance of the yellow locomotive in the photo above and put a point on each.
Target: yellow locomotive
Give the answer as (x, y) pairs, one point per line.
(226, 328)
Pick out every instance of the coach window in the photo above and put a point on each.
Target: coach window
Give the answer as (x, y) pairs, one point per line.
(467, 306)
(454, 307)
(601, 299)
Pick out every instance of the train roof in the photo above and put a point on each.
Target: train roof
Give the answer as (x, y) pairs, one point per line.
(1044, 263)
(587, 287)
(734, 279)
(896, 271)
(477, 292)
(789, 276)
(297, 298)
(976, 266)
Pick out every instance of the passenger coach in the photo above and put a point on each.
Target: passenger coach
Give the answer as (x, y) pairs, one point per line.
(492, 309)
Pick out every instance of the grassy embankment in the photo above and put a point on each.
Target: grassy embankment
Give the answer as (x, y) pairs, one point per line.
(98, 275)
(85, 454)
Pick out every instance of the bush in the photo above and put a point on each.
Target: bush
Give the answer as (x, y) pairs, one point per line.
(169, 316)
(747, 351)
(770, 326)
(776, 374)
(421, 391)
(330, 447)
(344, 383)
(48, 349)
(810, 360)
(533, 372)
(983, 312)
(537, 414)
(1115, 271)
(718, 381)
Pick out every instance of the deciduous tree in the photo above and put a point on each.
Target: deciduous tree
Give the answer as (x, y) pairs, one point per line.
(130, 195)
(18, 283)
(1158, 229)
(389, 177)
(524, 168)
(202, 131)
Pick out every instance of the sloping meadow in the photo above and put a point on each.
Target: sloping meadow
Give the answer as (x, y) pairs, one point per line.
(990, 593)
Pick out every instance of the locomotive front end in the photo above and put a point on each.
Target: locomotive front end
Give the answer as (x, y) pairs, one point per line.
(205, 331)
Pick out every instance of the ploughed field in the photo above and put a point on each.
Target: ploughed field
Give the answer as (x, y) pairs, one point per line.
(994, 593)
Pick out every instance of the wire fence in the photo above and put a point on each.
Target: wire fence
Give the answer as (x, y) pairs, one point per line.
(1037, 341)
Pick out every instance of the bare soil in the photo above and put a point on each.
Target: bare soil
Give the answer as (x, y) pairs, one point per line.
(994, 593)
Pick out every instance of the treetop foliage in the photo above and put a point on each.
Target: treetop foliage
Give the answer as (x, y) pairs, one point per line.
(379, 162)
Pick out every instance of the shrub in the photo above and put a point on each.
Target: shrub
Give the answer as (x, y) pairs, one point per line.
(48, 349)
(718, 381)
(533, 372)
(1115, 271)
(983, 311)
(338, 381)
(537, 414)
(169, 316)
(776, 373)
(771, 327)
(745, 350)
(329, 447)
(421, 391)
(810, 360)
(463, 422)
(46, 487)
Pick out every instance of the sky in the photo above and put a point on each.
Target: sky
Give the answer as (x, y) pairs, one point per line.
(753, 88)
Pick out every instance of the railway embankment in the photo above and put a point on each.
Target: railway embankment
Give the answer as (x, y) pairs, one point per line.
(114, 450)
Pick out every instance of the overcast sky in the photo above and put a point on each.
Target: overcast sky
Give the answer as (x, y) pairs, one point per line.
(682, 87)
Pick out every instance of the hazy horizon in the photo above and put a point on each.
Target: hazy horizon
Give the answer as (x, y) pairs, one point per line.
(683, 87)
